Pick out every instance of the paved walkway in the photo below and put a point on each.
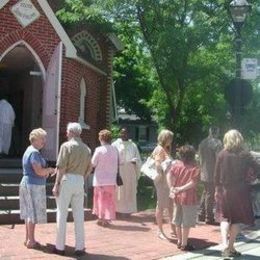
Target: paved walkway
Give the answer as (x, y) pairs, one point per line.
(248, 245)
(134, 238)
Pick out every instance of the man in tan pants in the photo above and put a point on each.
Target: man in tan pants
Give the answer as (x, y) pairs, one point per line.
(73, 165)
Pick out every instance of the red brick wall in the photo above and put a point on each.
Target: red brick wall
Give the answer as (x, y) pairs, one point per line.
(41, 36)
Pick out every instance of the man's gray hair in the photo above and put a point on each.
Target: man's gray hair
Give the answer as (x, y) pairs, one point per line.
(74, 128)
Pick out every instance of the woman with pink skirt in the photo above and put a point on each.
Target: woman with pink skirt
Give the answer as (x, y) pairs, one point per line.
(105, 162)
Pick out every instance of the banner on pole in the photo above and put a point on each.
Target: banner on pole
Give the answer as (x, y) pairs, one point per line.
(249, 68)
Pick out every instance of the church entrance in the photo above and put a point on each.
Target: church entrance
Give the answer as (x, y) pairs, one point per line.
(21, 84)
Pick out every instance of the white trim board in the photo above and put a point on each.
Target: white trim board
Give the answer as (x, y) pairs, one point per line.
(71, 51)
(3, 3)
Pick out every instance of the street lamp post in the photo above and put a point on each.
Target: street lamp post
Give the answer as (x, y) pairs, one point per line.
(238, 10)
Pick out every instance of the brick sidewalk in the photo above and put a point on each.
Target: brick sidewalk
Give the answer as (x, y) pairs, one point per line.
(134, 238)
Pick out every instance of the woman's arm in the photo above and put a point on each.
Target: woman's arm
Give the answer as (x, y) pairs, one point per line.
(185, 187)
(40, 171)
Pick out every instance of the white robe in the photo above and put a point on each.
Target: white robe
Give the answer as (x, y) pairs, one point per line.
(126, 194)
(7, 117)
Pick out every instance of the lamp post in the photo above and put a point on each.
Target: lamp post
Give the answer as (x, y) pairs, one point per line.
(238, 10)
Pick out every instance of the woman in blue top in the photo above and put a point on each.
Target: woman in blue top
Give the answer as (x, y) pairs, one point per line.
(32, 190)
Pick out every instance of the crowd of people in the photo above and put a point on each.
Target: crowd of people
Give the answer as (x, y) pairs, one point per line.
(225, 171)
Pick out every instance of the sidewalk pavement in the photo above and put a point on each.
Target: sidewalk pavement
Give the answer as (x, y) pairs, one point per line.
(247, 244)
(133, 238)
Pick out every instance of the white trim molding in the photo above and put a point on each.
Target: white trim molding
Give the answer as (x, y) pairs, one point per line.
(3, 3)
(71, 51)
(34, 54)
(84, 40)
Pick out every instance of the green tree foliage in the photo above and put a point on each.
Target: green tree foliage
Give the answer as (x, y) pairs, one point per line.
(178, 58)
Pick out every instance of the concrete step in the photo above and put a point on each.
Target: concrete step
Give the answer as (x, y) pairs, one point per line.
(8, 175)
(11, 163)
(12, 202)
(9, 189)
(13, 216)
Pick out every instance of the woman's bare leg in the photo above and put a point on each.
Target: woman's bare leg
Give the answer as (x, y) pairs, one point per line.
(234, 230)
(31, 231)
(224, 229)
(185, 235)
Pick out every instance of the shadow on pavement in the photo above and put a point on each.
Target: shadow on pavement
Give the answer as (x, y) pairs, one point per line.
(201, 243)
(128, 228)
(103, 257)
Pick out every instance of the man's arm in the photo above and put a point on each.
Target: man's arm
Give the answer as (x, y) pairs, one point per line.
(59, 175)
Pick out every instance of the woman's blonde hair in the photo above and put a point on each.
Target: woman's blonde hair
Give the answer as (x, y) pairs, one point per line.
(37, 133)
(105, 135)
(233, 140)
(165, 137)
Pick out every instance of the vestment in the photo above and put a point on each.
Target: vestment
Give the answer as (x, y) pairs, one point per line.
(105, 162)
(208, 150)
(231, 178)
(74, 157)
(129, 171)
(32, 191)
(7, 117)
(185, 201)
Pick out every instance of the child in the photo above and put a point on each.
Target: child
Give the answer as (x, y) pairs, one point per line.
(182, 180)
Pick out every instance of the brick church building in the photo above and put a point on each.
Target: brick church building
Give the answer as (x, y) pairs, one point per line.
(53, 76)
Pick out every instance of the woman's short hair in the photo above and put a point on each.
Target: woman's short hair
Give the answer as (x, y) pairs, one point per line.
(165, 137)
(74, 128)
(105, 135)
(233, 140)
(187, 153)
(37, 133)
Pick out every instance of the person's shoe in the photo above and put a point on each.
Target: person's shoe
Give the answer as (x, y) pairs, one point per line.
(201, 218)
(58, 252)
(188, 247)
(80, 253)
(211, 222)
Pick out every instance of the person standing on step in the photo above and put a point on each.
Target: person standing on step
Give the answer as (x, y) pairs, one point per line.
(32, 190)
(129, 168)
(73, 165)
(7, 117)
(208, 150)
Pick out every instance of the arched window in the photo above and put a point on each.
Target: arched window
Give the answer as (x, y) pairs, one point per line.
(83, 92)
(87, 45)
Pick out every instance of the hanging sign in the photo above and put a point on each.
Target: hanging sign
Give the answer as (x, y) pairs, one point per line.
(249, 68)
(25, 12)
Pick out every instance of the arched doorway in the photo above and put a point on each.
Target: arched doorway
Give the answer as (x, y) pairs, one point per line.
(21, 83)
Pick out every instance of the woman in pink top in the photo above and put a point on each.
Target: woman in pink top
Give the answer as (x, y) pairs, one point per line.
(182, 180)
(105, 162)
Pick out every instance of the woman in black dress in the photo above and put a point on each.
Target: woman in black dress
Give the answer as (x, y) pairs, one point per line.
(231, 172)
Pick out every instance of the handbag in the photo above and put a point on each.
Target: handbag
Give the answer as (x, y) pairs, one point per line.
(119, 180)
(149, 169)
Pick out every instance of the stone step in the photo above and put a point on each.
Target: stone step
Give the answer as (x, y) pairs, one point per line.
(12, 202)
(8, 175)
(11, 163)
(8, 189)
(13, 216)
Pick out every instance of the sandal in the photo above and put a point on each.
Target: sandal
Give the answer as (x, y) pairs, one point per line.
(235, 253)
(162, 236)
(36, 245)
(228, 253)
